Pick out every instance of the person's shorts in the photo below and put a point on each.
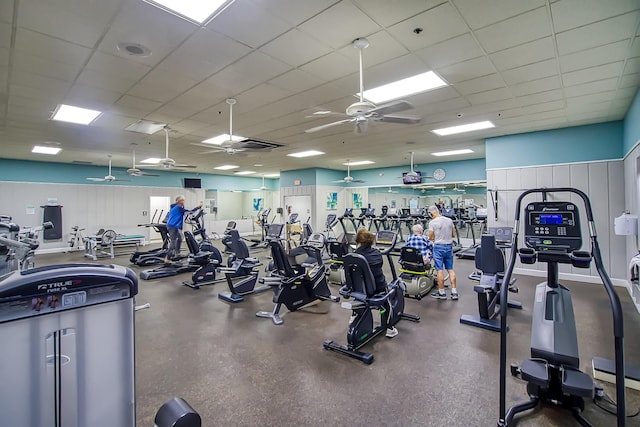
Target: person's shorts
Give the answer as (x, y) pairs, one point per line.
(443, 257)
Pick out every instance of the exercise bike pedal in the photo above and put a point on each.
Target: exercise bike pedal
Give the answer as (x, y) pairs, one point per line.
(577, 383)
(514, 289)
(535, 372)
(515, 370)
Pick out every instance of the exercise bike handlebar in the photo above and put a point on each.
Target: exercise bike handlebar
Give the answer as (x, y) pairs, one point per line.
(616, 307)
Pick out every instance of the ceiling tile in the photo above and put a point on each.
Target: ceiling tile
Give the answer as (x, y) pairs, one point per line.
(480, 14)
(587, 101)
(296, 81)
(569, 14)
(105, 81)
(632, 66)
(294, 12)
(528, 53)
(135, 106)
(530, 72)
(249, 71)
(346, 22)
(295, 48)
(41, 83)
(161, 85)
(6, 11)
(395, 69)
(597, 34)
(596, 56)
(332, 66)
(116, 66)
(592, 87)
(50, 48)
(248, 23)
(542, 97)
(523, 28)
(5, 34)
(260, 95)
(91, 97)
(481, 84)
(592, 74)
(22, 61)
(449, 52)
(545, 106)
(630, 81)
(387, 13)
(537, 86)
(467, 70)
(489, 96)
(438, 24)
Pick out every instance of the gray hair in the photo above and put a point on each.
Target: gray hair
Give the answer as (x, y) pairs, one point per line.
(433, 209)
(417, 229)
(178, 198)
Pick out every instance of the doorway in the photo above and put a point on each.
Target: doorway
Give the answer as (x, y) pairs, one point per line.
(297, 204)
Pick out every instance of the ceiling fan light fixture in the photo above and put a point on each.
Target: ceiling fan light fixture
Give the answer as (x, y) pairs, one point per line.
(197, 11)
(469, 127)
(452, 152)
(404, 87)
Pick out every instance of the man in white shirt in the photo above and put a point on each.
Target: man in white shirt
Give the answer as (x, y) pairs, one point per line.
(442, 232)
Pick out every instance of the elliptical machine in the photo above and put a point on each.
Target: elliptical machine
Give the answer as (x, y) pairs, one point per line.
(360, 285)
(552, 234)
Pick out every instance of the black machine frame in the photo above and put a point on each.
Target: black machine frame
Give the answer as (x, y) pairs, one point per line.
(505, 417)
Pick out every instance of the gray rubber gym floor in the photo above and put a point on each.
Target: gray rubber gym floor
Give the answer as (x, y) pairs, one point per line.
(239, 370)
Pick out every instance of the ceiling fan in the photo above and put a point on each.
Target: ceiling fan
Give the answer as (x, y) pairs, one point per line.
(108, 178)
(362, 112)
(230, 146)
(167, 162)
(412, 173)
(391, 191)
(349, 178)
(134, 171)
(263, 187)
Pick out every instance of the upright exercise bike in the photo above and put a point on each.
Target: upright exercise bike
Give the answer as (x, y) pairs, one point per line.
(553, 235)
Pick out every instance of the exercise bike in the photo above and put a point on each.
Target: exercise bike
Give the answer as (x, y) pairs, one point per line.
(295, 286)
(360, 285)
(553, 235)
(240, 265)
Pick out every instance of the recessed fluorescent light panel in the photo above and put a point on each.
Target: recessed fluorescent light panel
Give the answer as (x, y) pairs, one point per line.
(308, 153)
(464, 128)
(39, 149)
(359, 163)
(244, 173)
(217, 140)
(151, 161)
(197, 11)
(226, 167)
(452, 152)
(322, 113)
(409, 86)
(272, 175)
(71, 114)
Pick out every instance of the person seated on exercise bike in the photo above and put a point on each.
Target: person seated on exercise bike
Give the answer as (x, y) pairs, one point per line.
(419, 241)
(364, 242)
(175, 218)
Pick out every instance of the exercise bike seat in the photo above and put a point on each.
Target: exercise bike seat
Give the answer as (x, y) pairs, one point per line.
(197, 255)
(360, 284)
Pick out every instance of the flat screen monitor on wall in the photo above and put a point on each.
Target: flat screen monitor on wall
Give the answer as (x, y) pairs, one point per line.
(411, 179)
(192, 183)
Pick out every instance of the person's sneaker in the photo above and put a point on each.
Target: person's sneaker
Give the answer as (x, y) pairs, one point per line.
(392, 332)
(454, 296)
(438, 295)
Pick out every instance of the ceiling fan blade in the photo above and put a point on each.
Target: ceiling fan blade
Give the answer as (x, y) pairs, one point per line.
(340, 180)
(329, 125)
(357, 180)
(408, 120)
(148, 174)
(392, 107)
(124, 180)
(176, 165)
(326, 114)
(96, 179)
(148, 165)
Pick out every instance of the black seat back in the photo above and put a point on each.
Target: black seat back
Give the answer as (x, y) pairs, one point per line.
(338, 249)
(489, 258)
(280, 261)
(192, 243)
(358, 276)
(237, 245)
(412, 258)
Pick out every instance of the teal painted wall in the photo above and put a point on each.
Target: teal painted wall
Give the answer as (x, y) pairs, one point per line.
(328, 176)
(64, 173)
(306, 177)
(631, 133)
(456, 171)
(601, 141)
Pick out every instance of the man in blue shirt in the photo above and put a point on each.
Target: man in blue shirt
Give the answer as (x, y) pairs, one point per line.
(175, 218)
(419, 241)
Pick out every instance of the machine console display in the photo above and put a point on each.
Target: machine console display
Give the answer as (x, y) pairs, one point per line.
(385, 240)
(370, 212)
(552, 226)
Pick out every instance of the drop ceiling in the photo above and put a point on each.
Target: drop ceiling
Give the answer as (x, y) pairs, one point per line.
(526, 65)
